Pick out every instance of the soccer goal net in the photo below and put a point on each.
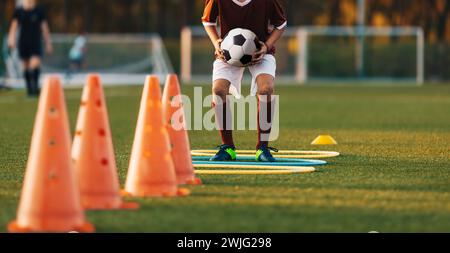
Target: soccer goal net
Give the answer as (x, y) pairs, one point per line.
(312, 54)
(120, 59)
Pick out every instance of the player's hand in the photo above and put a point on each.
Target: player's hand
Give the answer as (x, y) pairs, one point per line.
(49, 48)
(258, 56)
(218, 51)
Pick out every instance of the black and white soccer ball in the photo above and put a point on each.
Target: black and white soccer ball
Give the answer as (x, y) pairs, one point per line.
(238, 47)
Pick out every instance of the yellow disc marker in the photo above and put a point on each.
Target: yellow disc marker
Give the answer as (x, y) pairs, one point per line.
(324, 140)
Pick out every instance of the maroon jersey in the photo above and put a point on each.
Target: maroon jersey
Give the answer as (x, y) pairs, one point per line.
(255, 15)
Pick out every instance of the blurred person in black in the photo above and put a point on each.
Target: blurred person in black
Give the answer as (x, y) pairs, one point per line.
(31, 22)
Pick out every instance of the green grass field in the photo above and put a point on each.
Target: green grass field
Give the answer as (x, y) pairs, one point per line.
(393, 176)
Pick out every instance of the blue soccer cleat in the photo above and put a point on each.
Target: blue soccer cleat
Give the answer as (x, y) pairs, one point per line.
(225, 153)
(263, 154)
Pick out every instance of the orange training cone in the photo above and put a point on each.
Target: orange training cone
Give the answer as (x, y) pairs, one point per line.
(181, 151)
(93, 152)
(50, 200)
(151, 172)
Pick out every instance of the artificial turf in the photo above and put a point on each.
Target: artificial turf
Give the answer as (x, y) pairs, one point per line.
(393, 175)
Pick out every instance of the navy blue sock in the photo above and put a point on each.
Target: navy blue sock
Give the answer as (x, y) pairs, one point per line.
(28, 81)
(35, 83)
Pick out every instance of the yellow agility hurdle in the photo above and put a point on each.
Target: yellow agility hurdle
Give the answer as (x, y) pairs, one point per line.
(211, 169)
(279, 154)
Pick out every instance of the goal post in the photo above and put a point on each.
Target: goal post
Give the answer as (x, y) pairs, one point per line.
(304, 35)
(310, 54)
(120, 59)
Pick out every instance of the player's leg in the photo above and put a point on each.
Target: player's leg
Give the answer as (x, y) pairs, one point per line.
(264, 86)
(35, 69)
(26, 75)
(224, 119)
(25, 58)
(265, 89)
(220, 91)
(225, 78)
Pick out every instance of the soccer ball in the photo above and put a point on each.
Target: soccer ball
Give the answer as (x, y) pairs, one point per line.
(239, 46)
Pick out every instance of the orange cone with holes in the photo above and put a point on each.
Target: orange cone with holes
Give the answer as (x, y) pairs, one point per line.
(176, 125)
(93, 152)
(50, 201)
(151, 172)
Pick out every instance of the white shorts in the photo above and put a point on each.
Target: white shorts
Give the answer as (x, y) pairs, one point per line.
(234, 74)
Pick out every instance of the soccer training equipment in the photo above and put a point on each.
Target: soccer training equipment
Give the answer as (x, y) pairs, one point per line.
(324, 140)
(50, 200)
(242, 158)
(281, 154)
(181, 150)
(257, 170)
(239, 46)
(300, 162)
(93, 152)
(151, 172)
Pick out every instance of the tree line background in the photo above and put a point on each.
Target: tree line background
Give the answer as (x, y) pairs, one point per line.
(167, 17)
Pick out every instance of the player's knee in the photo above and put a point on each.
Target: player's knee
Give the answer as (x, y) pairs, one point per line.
(265, 86)
(220, 89)
(35, 63)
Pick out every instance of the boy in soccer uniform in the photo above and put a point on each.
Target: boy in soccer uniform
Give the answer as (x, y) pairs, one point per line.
(33, 25)
(257, 16)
